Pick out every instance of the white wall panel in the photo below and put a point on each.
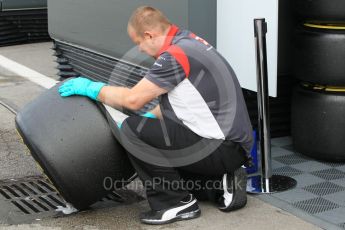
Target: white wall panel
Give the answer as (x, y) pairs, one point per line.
(235, 38)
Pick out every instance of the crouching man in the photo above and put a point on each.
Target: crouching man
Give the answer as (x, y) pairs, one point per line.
(200, 131)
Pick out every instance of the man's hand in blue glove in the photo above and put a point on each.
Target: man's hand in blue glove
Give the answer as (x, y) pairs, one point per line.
(81, 86)
(148, 115)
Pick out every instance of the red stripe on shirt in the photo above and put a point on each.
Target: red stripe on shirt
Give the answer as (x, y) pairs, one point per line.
(180, 57)
(170, 36)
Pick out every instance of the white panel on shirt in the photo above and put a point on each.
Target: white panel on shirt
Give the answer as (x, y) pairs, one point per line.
(192, 110)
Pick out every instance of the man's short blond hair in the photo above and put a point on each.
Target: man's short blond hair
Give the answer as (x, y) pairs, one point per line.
(147, 18)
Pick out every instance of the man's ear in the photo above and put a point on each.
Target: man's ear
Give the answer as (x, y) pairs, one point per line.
(148, 35)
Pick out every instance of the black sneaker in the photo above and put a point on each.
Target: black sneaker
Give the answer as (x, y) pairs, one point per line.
(186, 209)
(235, 194)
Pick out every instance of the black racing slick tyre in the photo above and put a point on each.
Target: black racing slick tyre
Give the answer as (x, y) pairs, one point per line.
(326, 10)
(317, 123)
(72, 141)
(319, 55)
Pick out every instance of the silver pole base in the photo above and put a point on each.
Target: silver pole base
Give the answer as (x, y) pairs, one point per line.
(277, 183)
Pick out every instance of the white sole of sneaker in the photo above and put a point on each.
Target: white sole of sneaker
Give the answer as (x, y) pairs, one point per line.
(239, 198)
(184, 216)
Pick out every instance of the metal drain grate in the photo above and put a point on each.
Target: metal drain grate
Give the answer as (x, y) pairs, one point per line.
(25, 200)
(31, 195)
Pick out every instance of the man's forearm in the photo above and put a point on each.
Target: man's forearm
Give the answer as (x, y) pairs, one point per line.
(117, 97)
(134, 99)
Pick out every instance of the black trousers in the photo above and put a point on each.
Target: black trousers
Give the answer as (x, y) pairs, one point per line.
(166, 186)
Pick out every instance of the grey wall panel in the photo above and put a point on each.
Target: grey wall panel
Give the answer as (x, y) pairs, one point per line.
(203, 19)
(102, 25)
(23, 4)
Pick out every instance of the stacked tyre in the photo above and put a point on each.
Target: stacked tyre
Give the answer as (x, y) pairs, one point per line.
(318, 103)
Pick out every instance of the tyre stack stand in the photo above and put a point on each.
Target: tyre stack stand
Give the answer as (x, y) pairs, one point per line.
(318, 101)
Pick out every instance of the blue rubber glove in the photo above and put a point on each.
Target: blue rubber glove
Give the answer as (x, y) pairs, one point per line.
(149, 115)
(81, 86)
